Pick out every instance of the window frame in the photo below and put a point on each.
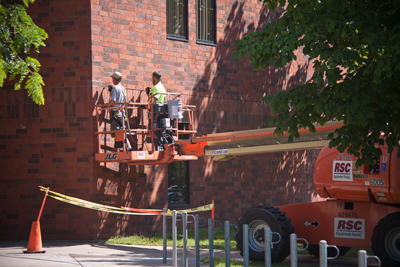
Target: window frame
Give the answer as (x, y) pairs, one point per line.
(207, 42)
(179, 37)
(187, 186)
(181, 125)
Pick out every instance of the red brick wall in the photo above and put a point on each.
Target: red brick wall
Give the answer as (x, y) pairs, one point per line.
(247, 181)
(51, 145)
(54, 145)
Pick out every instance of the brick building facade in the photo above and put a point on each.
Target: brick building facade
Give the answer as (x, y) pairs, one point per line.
(54, 145)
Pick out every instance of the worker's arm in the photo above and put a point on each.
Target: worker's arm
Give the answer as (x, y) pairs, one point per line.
(113, 94)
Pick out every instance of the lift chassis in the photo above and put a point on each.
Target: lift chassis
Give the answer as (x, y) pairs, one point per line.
(361, 210)
(362, 206)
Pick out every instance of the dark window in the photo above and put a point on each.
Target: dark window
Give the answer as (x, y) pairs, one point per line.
(178, 177)
(205, 21)
(178, 183)
(177, 19)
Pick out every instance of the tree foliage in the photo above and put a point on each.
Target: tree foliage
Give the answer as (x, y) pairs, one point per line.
(19, 37)
(355, 48)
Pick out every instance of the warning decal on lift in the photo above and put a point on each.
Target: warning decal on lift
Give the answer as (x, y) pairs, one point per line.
(383, 168)
(350, 228)
(315, 223)
(219, 152)
(342, 170)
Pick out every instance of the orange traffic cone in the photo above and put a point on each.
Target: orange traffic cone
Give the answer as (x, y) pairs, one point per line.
(35, 239)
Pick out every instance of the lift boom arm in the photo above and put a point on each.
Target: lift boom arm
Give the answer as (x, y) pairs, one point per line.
(223, 146)
(165, 138)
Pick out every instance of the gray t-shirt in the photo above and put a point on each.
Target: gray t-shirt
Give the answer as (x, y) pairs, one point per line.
(118, 94)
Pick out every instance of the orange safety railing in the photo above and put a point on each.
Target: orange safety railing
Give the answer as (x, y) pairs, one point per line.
(141, 135)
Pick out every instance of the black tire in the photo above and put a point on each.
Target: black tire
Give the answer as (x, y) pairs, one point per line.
(386, 240)
(259, 218)
(314, 250)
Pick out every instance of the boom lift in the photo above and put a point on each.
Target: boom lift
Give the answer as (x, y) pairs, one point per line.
(153, 139)
(362, 206)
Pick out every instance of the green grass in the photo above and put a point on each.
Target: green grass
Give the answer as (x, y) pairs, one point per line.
(219, 242)
(157, 239)
(220, 262)
(353, 252)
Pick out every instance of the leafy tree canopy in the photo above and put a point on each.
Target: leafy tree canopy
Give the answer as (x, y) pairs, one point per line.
(19, 37)
(355, 48)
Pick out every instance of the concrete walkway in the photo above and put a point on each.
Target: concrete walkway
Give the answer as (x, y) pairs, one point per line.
(94, 254)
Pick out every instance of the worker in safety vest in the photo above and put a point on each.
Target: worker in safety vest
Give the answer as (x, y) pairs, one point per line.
(118, 95)
(154, 95)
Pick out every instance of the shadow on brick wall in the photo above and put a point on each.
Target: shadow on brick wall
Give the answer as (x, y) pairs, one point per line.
(228, 96)
(119, 185)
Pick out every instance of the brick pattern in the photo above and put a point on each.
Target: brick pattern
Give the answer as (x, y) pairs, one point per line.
(54, 145)
(247, 181)
(51, 145)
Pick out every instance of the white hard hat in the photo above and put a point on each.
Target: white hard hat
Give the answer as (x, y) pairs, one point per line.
(116, 75)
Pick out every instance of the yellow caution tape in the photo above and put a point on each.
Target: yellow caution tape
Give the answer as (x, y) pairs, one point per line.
(78, 200)
(98, 208)
(202, 208)
(123, 210)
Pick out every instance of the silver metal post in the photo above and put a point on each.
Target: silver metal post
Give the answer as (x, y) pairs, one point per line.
(185, 235)
(174, 237)
(363, 257)
(323, 253)
(293, 250)
(197, 239)
(227, 244)
(246, 245)
(165, 236)
(267, 242)
(211, 241)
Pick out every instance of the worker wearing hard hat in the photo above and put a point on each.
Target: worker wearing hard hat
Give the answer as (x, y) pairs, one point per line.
(118, 95)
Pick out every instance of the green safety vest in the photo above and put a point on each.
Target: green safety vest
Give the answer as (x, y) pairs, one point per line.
(158, 88)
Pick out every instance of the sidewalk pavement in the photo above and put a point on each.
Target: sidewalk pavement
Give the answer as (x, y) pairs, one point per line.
(94, 254)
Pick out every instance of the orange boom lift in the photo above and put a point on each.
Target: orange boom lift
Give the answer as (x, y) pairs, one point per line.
(362, 207)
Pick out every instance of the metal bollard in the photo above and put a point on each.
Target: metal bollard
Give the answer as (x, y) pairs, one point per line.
(293, 250)
(227, 244)
(323, 253)
(165, 236)
(185, 236)
(246, 245)
(362, 258)
(211, 241)
(267, 251)
(174, 237)
(197, 239)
